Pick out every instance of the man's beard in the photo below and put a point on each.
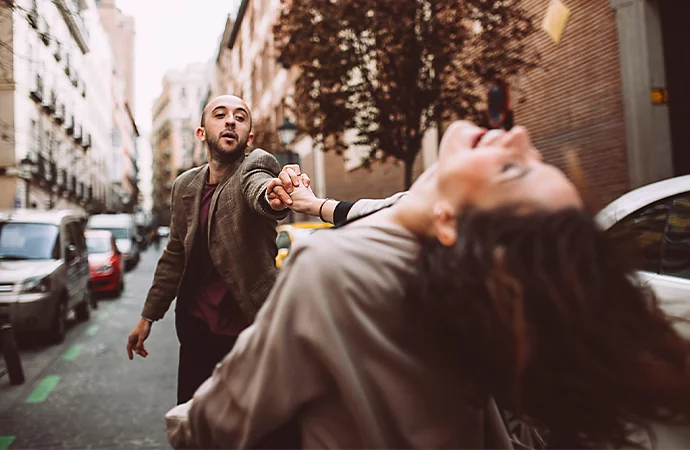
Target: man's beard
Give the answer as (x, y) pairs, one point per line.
(226, 157)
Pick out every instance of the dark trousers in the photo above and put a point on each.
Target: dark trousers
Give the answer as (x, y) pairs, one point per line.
(200, 351)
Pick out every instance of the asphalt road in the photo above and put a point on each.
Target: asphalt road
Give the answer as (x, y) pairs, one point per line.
(85, 393)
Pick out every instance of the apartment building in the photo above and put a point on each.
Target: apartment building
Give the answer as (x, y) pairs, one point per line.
(54, 105)
(176, 116)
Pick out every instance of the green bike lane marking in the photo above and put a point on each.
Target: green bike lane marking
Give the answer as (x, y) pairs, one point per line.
(43, 390)
(72, 352)
(92, 330)
(5, 442)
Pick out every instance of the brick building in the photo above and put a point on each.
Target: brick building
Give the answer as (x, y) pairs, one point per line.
(592, 92)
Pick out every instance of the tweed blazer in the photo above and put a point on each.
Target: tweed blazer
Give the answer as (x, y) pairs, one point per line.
(241, 234)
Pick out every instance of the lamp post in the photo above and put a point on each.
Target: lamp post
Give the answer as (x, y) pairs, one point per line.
(287, 132)
(27, 172)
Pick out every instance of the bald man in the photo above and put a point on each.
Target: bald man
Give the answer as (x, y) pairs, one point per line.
(219, 261)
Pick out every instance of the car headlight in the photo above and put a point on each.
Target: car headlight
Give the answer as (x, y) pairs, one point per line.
(105, 269)
(35, 285)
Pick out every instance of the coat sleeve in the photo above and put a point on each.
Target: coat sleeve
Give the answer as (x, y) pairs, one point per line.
(364, 207)
(168, 272)
(277, 366)
(258, 170)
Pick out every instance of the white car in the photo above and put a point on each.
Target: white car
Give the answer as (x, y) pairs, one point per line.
(658, 216)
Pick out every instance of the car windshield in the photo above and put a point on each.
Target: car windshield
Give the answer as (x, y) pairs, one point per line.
(20, 241)
(118, 233)
(98, 244)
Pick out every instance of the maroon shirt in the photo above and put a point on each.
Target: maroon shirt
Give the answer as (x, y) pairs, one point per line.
(212, 302)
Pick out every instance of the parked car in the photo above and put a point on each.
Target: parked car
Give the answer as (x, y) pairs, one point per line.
(658, 216)
(123, 228)
(289, 233)
(44, 270)
(106, 263)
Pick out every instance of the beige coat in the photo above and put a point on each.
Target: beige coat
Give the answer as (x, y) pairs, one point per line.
(241, 234)
(332, 349)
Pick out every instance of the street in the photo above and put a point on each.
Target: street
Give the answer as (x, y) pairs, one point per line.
(85, 393)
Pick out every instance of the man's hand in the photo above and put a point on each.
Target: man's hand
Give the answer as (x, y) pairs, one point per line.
(279, 189)
(135, 342)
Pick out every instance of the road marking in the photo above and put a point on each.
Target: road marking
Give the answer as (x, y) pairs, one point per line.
(92, 330)
(5, 442)
(72, 352)
(43, 390)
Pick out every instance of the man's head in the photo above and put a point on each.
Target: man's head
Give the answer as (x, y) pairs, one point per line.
(226, 126)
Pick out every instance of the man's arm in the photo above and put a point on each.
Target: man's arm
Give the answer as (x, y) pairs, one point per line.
(260, 168)
(163, 290)
(168, 272)
(274, 369)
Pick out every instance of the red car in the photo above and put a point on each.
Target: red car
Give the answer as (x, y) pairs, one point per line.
(106, 263)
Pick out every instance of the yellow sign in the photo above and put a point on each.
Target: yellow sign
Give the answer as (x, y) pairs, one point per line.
(659, 96)
(556, 18)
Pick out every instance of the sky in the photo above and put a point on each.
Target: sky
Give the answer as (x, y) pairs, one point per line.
(171, 34)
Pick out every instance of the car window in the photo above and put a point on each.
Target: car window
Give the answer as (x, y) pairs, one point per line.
(644, 229)
(675, 260)
(20, 241)
(99, 244)
(283, 240)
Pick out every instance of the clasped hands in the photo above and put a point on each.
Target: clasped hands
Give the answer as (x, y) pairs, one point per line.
(292, 189)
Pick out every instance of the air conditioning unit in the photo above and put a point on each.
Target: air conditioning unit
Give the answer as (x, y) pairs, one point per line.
(36, 89)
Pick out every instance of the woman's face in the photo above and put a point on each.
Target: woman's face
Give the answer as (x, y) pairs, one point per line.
(492, 170)
(499, 169)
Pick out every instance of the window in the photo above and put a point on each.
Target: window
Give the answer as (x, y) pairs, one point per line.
(183, 94)
(645, 228)
(675, 255)
(22, 241)
(283, 240)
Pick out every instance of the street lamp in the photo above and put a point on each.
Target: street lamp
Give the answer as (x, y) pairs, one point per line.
(27, 171)
(287, 131)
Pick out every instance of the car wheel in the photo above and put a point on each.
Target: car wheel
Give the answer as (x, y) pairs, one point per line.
(59, 327)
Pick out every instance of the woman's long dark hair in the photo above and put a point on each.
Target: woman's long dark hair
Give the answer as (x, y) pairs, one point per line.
(542, 311)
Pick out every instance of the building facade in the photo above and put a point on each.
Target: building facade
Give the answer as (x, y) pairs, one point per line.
(613, 89)
(123, 174)
(54, 105)
(176, 116)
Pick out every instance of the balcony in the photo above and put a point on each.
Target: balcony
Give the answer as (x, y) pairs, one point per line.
(86, 141)
(69, 125)
(49, 103)
(36, 91)
(44, 31)
(77, 134)
(33, 15)
(60, 113)
(68, 67)
(57, 52)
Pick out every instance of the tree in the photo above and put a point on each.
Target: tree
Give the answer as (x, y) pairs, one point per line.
(390, 69)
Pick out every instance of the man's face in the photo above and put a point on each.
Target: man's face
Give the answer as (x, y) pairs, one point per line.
(227, 128)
